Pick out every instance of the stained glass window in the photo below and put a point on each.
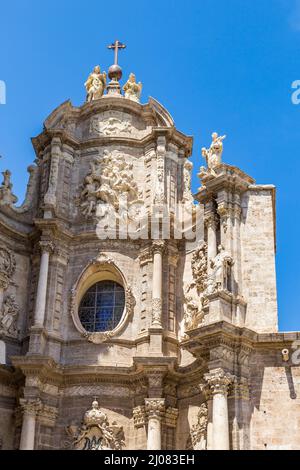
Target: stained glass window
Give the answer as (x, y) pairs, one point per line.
(102, 306)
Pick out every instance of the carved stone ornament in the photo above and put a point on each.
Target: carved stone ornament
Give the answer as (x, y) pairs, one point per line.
(7, 198)
(156, 312)
(213, 155)
(219, 381)
(155, 407)
(110, 127)
(139, 416)
(96, 433)
(195, 292)
(108, 187)
(198, 434)
(7, 266)
(8, 317)
(187, 194)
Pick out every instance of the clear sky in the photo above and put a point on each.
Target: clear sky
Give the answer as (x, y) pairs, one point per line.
(224, 65)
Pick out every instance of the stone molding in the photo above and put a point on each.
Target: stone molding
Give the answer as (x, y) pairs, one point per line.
(139, 416)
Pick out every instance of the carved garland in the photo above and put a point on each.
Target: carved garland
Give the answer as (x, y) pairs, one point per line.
(101, 262)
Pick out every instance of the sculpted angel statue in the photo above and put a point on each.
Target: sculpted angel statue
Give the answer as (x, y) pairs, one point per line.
(132, 89)
(95, 84)
(213, 155)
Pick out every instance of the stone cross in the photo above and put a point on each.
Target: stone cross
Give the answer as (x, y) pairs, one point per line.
(116, 46)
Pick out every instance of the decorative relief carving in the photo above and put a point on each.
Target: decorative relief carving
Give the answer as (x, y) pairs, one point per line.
(111, 127)
(156, 312)
(96, 433)
(7, 198)
(194, 292)
(171, 417)
(139, 416)
(7, 266)
(109, 184)
(160, 196)
(8, 317)
(198, 434)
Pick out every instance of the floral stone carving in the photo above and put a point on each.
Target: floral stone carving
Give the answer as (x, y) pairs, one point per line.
(96, 433)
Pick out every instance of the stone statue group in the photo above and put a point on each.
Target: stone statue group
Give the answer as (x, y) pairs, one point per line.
(96, 85)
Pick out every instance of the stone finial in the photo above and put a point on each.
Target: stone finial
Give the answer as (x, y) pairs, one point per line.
(7, 198)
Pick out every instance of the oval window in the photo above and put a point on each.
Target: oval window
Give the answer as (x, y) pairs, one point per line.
(101, 308)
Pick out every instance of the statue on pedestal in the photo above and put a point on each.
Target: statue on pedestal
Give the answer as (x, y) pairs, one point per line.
(95, 84)
(213, 155)
(132, 89)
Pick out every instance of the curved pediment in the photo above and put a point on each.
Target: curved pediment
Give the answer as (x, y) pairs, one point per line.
(108, 117)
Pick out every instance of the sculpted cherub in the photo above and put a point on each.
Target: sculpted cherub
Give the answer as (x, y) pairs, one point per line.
(132, 89)
(95, 84)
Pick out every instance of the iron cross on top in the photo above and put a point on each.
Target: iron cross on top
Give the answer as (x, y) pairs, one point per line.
(116, 46)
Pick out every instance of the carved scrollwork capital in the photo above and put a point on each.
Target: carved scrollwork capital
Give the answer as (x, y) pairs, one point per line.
(219, 381)
(155, 407)
(46, 246)
(30, 407)
(211, 220)
(158, 246)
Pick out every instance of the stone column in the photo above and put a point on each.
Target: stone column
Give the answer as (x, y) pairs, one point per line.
(155, 408)
(218, 382)
(30, 410)
(40, 306)
(211, 223)
(157, 249)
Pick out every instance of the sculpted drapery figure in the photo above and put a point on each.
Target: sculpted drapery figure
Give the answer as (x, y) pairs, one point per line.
(132, 89)
(220, 277)
(213, 155)
(95, 84)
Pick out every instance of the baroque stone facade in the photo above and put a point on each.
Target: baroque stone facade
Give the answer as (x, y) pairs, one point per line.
(189, 355)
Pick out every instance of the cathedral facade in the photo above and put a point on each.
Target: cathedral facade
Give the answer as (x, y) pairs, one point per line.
(133, 314)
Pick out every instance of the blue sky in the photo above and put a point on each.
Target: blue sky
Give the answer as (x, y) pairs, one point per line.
(224, 65)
